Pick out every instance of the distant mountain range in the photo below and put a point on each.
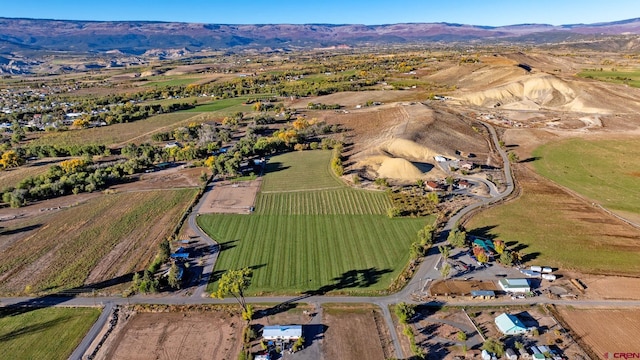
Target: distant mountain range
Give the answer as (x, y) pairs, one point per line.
(137, 37)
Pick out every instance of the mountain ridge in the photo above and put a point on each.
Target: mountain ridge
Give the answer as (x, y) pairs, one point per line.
(138, 36)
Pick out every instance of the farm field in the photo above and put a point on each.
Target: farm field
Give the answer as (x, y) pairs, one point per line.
(177, 335)
(313, 240)
(218, 105)
(629, 77)
(604, 330)
(178, 81)
(554, 228)
(117, 133)
(607, 171)
(48, 333)
(97, 244)
(353, 330)
(286, 173)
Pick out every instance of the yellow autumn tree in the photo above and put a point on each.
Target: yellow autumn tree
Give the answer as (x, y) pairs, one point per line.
(73, 165)
(10, 159)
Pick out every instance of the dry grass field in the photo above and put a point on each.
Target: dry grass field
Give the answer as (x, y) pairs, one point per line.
(604, 331)
(98, 243)
(354, 330)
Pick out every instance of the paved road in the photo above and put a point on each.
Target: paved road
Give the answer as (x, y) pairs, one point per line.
(93, 332)
(425, 271)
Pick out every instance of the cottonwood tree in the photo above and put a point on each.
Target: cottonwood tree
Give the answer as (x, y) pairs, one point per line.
(457, 238)
(235, 283)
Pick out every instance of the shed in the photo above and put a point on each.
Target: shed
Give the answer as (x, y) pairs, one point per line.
(510, 324)
(440, 158)
(510, 354)
(515, 285)
(282, 332)
(483, 294)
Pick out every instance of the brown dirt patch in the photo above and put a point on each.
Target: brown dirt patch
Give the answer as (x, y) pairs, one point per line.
(460, 287)
(231, 198)
(350, 99)
(604, 330)
(354, 331)
(184, 335)
(171, 178)
(612, 287)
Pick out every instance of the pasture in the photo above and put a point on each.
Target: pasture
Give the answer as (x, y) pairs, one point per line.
(550, 226)
(629, 77)
(607, 171)
(48, 333)
(219, 105)
(97, 244)
(300, 239)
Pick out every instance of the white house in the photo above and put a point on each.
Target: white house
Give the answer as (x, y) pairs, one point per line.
(282, 332)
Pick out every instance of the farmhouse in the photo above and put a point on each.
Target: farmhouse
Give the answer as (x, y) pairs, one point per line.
(463, 184)
(433, 186)
(510, 324)
(515, 285)
(466, 165)
(282, 332)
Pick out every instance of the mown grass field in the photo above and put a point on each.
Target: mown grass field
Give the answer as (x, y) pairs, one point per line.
(300, 239)
(49, 333)
(629, 77)
(104, 239)
(218, 105)
(607, 171)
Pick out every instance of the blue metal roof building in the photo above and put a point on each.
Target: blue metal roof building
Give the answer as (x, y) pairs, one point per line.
(510, 324)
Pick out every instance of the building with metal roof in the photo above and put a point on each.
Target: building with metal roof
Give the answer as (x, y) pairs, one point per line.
(483, 294)
(282, 332)
(515, 285)
(510, 324)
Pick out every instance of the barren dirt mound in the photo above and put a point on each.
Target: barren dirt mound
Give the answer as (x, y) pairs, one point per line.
(408, 149)
(530, 93)
(398, 168)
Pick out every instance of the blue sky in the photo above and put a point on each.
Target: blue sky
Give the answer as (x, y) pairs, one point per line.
(476, 12)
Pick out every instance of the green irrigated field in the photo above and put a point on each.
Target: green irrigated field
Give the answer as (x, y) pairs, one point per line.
(49, 333)
(556, 228)
(629, 77)
(332, 238)
(296, 171)
(607, 171)
(218, 105)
